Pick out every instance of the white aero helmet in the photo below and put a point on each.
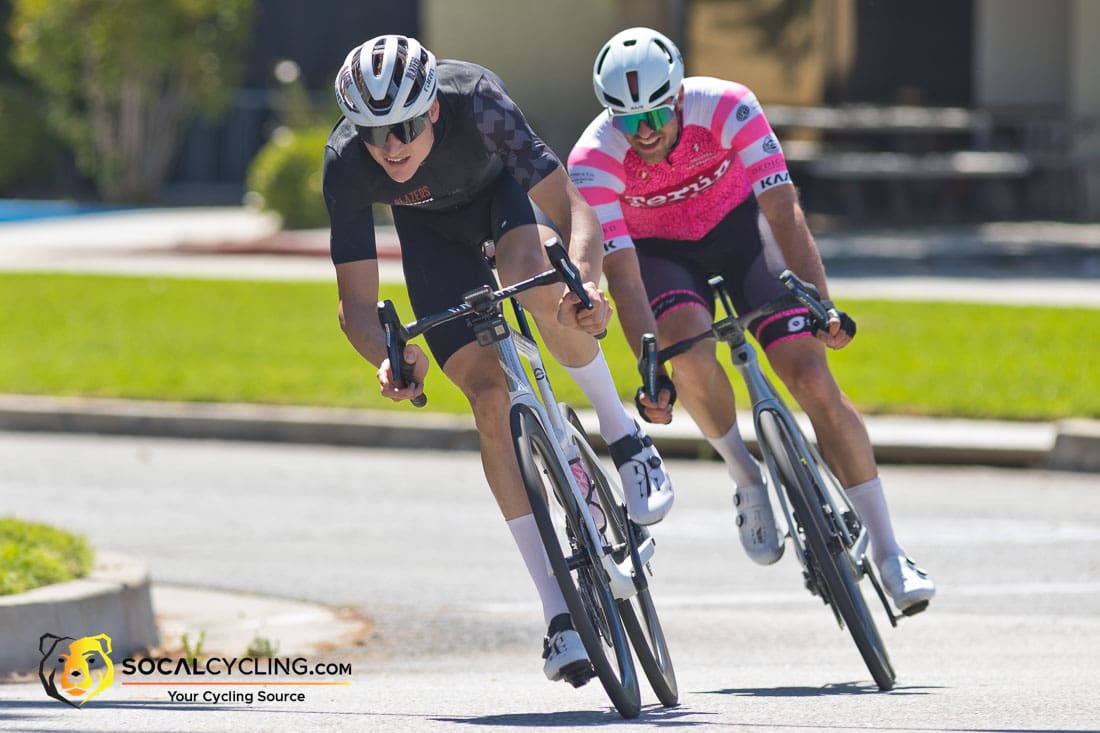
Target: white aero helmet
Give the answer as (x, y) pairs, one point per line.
(388, 79)
(637, 70)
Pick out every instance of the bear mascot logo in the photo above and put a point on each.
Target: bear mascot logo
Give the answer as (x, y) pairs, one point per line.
(75, 670)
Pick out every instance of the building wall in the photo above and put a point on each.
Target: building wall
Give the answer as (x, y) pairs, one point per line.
(1021, 53)
(725, 43)
(542, 49)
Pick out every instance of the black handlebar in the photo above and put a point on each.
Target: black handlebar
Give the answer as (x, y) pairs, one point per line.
(647, 365)
(396, 338)
(808, 295)
(479, 300)
(559, 258)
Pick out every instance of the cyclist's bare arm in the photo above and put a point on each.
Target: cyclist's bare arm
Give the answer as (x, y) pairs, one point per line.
(357, 285)
(784, 214)
(624, 282)
(562, 202)
(580, 229)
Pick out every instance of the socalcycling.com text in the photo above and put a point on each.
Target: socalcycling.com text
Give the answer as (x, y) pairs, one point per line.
(247, 666)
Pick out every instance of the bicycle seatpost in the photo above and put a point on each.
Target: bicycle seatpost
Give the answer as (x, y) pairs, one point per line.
(396, 339)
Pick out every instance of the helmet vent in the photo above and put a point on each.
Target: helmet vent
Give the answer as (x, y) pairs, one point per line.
(660, 93)
(632, 83)
(613, 100)
(600, 60)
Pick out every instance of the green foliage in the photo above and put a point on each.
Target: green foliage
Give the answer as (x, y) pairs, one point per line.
(122, 76)
(22, 119)
(33, 555)
(262, 648)
(193, 652)
(285, 177)
(280, 343)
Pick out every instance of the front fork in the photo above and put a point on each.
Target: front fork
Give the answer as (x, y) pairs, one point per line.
(764, 398)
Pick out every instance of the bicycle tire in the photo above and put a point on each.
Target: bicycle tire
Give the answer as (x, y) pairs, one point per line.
(639, 614)
(588, 596)
(836, 571)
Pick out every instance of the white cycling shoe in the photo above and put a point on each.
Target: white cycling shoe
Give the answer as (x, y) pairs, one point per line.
(760, 536)
(908, 585)
(646, 484)
(564, 653)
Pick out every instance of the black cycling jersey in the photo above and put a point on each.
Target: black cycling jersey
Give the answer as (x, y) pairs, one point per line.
(480, 133)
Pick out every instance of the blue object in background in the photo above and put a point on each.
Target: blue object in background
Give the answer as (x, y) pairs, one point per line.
(27, 209)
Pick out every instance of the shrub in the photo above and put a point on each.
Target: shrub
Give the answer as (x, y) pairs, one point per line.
(285, 177)
(22, 119)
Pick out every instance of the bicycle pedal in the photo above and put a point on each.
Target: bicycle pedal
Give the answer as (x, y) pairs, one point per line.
(578, 673)
(915, 608)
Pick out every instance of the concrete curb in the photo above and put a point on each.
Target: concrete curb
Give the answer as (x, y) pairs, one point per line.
(1069, 445)
(267, 423)
(1077, 446)
(114, 599)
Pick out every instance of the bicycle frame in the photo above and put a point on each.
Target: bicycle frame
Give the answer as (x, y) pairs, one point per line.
(510, 351)
(765, 399)
(482, 305)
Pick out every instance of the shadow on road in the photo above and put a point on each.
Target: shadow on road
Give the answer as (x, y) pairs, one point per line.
(570, 719)
(840, 688)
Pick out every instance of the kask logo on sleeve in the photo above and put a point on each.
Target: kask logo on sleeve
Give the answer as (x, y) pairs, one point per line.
(75, 670)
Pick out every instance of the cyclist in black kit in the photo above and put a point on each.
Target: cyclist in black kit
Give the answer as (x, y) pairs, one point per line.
(451, 153)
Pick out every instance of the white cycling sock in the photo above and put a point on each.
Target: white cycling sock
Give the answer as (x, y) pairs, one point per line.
(870, 503)
(526, 534)
(742, 467)
(595, 381)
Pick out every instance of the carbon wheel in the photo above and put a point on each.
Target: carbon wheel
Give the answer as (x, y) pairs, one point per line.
(829, 562)
(639, 614)
(581, 578)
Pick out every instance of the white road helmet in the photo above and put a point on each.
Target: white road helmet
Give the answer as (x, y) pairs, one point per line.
(388, 79)
(637, 70)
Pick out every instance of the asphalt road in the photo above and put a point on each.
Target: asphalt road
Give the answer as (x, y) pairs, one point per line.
(414, 541)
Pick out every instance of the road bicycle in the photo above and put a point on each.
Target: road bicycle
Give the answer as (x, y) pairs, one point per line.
(828, 537)
(603, 573)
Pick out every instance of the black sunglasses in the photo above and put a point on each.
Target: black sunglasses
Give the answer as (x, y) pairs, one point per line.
(406, 131)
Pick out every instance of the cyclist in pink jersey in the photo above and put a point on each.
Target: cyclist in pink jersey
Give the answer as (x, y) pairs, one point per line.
(689, 180)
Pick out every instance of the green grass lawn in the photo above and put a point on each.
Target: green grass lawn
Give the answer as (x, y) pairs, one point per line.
(279, 342)
(32, 555)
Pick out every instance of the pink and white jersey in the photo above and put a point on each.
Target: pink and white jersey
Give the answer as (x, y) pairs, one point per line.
(727, 151)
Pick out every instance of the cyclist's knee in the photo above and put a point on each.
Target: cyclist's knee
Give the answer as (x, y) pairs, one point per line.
(489, 402)
(695, 368)
(812, 384)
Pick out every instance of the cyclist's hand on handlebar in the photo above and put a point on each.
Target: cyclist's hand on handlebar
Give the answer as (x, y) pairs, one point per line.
(835, 337)
(659, 412)
(413, 355)
(573, 315)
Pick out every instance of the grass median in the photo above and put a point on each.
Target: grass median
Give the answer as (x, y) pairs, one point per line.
(155, 338)
(33, 555)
